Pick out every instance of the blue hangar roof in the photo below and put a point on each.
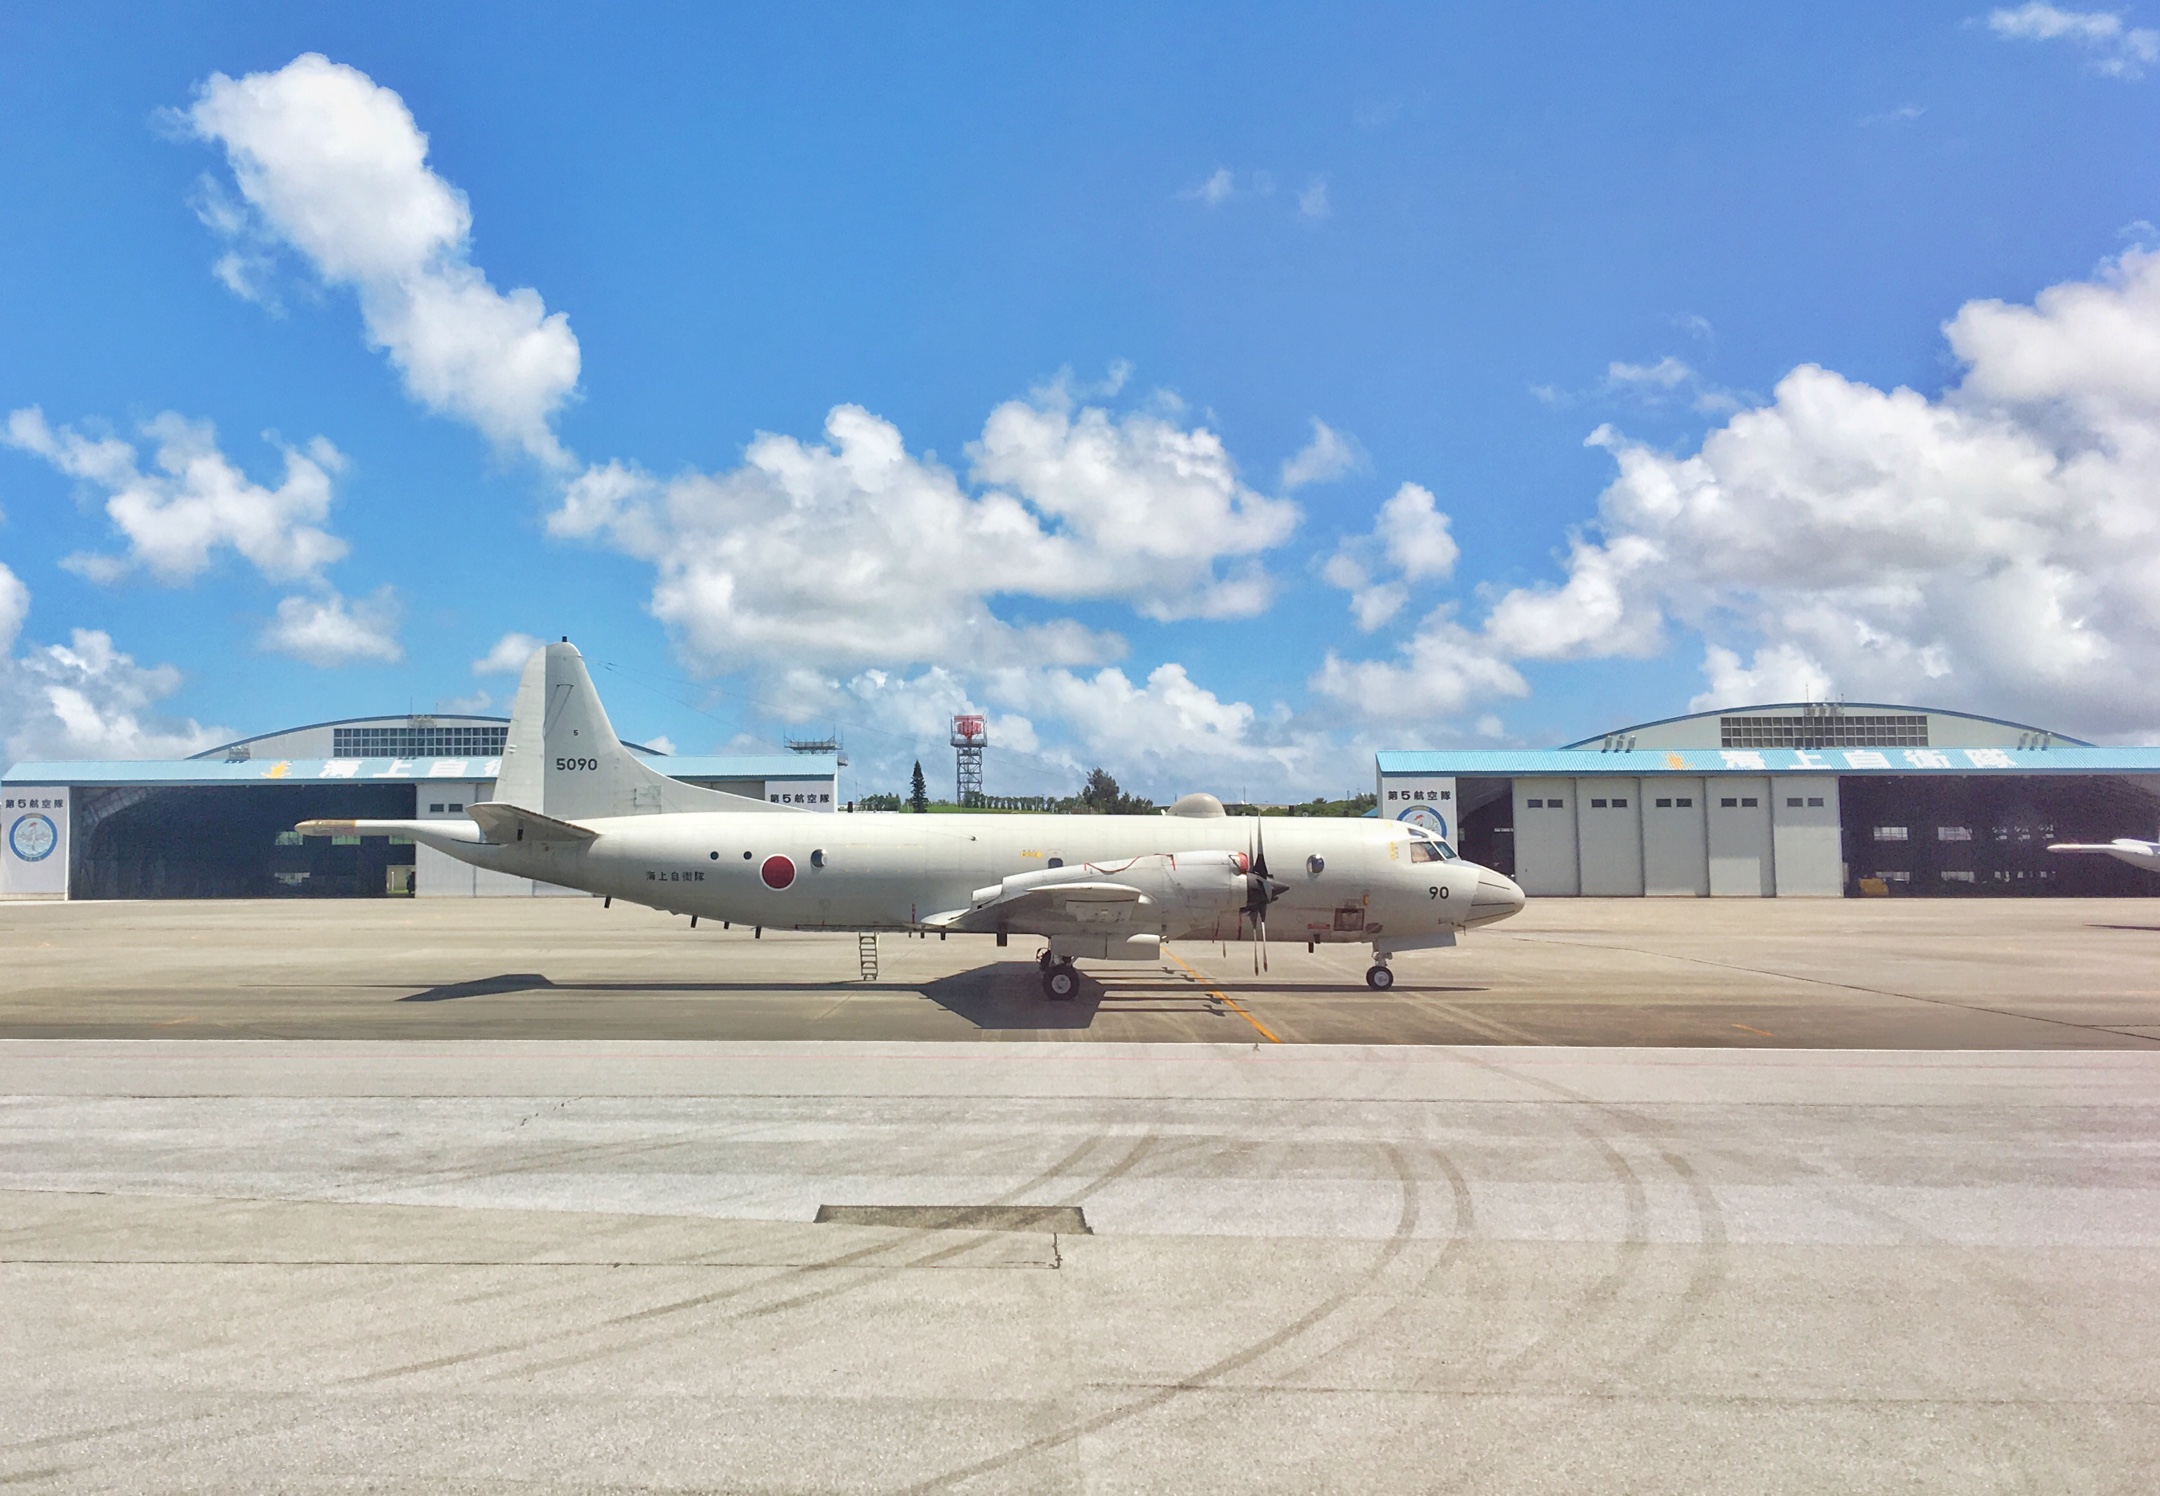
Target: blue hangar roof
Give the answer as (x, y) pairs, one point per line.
(196, 771)
(1575, 763)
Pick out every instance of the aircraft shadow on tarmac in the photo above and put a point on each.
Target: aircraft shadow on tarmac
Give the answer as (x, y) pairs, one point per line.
(1000, 995)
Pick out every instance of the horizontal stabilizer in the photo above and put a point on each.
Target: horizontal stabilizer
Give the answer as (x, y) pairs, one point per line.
(513, 823)
(431, 831)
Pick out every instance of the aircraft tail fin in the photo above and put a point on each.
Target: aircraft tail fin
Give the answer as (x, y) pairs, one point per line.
(562, 759)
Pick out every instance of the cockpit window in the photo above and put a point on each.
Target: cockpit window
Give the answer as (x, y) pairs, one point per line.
(1431, 849)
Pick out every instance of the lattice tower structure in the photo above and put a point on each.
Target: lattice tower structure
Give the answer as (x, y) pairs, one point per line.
(970, 734)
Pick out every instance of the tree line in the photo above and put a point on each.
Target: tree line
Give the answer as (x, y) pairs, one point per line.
(1099, 795)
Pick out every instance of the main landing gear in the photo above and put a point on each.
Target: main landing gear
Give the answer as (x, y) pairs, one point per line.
(1061, 982)
(1378, 977)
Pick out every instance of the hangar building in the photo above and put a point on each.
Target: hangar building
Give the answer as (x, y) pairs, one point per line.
(1792, 799)
(219, 825)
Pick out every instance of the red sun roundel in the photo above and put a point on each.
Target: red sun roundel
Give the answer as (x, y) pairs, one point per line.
(777, 872)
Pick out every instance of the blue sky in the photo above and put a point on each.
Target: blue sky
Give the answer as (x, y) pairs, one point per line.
(1090, 279)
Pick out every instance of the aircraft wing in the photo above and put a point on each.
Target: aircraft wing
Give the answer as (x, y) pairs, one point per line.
(1053, 909)
(2137, 853)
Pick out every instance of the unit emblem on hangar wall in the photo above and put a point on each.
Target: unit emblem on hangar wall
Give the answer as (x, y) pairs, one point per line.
(33, 837)
(1426, 816)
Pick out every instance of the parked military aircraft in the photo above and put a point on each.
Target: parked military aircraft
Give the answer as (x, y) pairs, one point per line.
(574, 807)
(2142, 854)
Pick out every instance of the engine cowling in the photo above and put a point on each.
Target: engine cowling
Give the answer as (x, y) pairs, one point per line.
(1183, 891)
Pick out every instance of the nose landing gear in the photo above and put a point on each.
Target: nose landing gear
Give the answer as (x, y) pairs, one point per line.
(1377, 976)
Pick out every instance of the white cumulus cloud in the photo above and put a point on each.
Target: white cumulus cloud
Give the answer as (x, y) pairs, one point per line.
(194, 500)
(1218, 189)
(507, 656)
(1995, 548)
(1411, 541)
(14, 608)
(331, 165)
(2115, 47)
(84, 699)
(1330, 454)
(855, 552)
(329, 630)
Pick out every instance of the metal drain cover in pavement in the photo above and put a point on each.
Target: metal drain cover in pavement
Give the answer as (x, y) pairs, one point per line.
(1066, 1219)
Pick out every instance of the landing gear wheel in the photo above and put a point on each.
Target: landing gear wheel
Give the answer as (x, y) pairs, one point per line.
(1061, 982)
(1379, 978)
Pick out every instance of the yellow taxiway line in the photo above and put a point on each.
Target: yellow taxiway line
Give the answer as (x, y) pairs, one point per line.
(1234, 1005)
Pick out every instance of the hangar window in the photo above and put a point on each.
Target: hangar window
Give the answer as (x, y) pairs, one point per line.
(1892, 833)
(1556, 804)
(1597, 804)
(1729, 803)
(1748, 802)
(1665, 804)
(1952, 875)
(1953, 833)
(1814, 802)
(1792, 802)
(1534, 804)
(1900, 730)
(1685, 802)
(1619, 805)
(435, 810)
(1895, 876)
(413, 740)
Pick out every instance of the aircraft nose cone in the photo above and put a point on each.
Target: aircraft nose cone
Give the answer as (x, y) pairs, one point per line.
(1497, 897)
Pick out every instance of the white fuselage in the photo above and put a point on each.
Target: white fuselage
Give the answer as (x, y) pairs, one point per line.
(1343, 880)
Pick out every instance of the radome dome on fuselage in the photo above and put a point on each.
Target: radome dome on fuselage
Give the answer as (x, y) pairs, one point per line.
(574, 807)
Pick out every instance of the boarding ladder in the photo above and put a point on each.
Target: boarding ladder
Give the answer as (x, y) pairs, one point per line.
(866, 952)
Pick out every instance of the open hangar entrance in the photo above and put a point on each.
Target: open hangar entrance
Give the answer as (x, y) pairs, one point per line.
(1800, 800)
(1960, 837)
(236, 842)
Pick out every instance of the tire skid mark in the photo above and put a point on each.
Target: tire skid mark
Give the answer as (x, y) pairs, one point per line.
(1597, 1300)
(1707, 1277)
(437, 1363)
(874, 1271)
(1405, 1229)
(1460, 1233)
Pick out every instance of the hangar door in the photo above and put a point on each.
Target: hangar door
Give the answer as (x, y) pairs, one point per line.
(1545, 862)
(1806, 838)
(1609, 837)
(1742, 862)
(1676, 857)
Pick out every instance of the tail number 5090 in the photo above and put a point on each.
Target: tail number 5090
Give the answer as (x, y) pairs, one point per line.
(577, 763)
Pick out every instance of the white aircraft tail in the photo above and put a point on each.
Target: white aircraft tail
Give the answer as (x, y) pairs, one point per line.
(563, 761)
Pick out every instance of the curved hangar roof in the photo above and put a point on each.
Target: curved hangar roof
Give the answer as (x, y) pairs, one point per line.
(1799, 737)
(417, 735)
(1815, 724)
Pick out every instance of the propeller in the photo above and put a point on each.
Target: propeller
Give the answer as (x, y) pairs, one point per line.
(1260, 891)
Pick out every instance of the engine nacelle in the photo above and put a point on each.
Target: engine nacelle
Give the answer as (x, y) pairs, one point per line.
(1182, 889)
